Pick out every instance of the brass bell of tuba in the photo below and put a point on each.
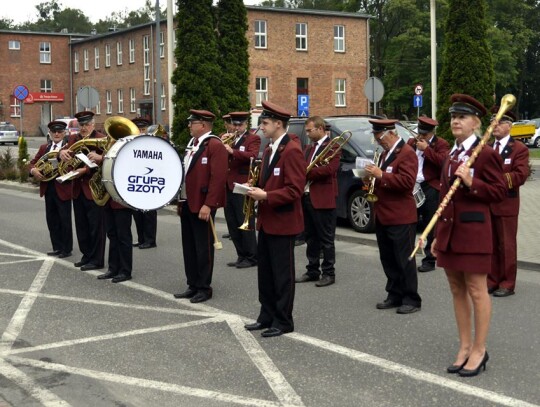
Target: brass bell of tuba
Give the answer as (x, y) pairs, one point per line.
(48, 165)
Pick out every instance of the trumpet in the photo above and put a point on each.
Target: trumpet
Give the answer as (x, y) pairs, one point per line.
(47, 165)
(229, 138)
(249, 202)
(370, 196)
(330, 151)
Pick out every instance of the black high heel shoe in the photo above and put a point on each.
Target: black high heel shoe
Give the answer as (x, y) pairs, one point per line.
(456, 368)
(475, 372)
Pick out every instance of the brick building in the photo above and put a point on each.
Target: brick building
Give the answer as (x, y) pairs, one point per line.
(309, 61)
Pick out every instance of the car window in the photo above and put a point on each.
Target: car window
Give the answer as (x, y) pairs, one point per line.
(7, 127)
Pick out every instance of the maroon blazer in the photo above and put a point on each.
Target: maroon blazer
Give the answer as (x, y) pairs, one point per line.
(396, 205)
(434, 156)
(64, 190)
(246, 148)
(465, 224)
(284, 180)
(323, 189)
(206, 176)
(515, 161)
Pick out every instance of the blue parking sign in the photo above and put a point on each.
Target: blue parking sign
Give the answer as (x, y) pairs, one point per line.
(303, 105)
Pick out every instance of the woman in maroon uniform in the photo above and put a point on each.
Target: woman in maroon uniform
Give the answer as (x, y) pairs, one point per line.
(464, 243)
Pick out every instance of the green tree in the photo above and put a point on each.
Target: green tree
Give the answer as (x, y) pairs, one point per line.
(51, 18)
(197, 69)
(6, 24)
(232, 89)
(467, 65)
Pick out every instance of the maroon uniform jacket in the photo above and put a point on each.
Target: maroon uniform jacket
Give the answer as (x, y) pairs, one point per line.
(284, 180)
(515, 161)
(64, 190)
(465, 224)
(244, 149)
(206, 176)
(323, 189)
(396, 205)
(434, 156)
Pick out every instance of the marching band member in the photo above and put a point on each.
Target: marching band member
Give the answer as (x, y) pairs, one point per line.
(504, 214)
(395, 217)
(431, 152)
(57, 195)
(245, 147)
(205, 178)
(319, 204)
(281, 183)
(463, 241)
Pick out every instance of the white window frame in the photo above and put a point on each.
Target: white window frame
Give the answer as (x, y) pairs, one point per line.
(340, 92)
(14, 107)
(146, 64)
(301, 33)
(132, 105)
(76, 61)
(261, 35)
(96, 58)
(45, 52)
(163, 98)
(45, 85)
(85, 60)
(120, 96)
(108, 97)
(162, 44)
(107, 55)
(14, 45)
(261, 90)
(131, 51)
(98, 107)
(339, 38)
(118, 53)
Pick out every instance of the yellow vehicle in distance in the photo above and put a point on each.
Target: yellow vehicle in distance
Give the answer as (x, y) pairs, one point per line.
(523, 130)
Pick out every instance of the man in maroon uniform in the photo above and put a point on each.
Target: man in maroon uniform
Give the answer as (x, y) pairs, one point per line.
(57, 196)
(319, 204)
(280, 219)
(242, 150)
(205, 165)
(395, 217)
(504, 214)
(431, 152)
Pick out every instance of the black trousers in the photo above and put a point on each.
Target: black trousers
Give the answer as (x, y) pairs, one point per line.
(276, 280)
(320, 233)
(118, 223)
(90, 228)
(198, 250)
(426, 211)
(396, 242)
(244, 241)
(58, 216)
(146, 225)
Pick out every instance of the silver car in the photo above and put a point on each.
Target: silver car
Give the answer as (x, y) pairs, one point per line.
(8, 134)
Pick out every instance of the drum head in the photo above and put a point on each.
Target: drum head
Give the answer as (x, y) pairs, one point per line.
(147, 172)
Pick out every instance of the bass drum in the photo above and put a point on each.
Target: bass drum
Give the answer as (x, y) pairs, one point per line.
(142, 172)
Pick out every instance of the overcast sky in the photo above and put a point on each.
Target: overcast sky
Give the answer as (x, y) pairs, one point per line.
(25, 10)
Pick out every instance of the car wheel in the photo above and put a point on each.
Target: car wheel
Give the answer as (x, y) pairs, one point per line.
(360, 212)
(537, 142)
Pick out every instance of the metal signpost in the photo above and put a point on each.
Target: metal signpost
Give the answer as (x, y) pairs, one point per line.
(87, 98)
(374, 91)
(417, 98)
(20, 93)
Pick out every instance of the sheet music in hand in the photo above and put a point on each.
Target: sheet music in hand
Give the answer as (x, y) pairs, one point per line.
(241, 189)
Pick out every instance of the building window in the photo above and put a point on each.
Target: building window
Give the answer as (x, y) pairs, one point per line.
(46, 85)
(163, 98)
(146, 64)
(109, 101)
(301, 36)
(162, 44)
(44, 52)
(120, 94)
(76, 61)
(132, 106)
(118, 53)
(85, 60)
(302, 87)
(261, 90)
(260, 34)
(96, 58)
(339, 38)
(107, 55)
(131, 51)
(15, 107)
(14, 44)
(340, 93)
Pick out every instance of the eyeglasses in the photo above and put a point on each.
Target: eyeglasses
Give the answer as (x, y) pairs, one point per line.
(378, 140)
(192, 122)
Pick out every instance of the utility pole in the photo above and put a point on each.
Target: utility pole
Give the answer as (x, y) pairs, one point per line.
(157, 86)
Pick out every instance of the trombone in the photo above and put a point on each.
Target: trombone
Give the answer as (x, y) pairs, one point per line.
(327, 154)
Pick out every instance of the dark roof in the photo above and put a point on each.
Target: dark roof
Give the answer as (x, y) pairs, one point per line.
(308, 11)
(24, 32)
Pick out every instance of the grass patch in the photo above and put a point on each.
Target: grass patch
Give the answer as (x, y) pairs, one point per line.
(534, 153)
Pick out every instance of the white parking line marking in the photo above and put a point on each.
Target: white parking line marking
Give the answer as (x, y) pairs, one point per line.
(19, 261)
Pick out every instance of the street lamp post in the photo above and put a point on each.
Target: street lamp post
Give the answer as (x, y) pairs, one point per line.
(433, 60)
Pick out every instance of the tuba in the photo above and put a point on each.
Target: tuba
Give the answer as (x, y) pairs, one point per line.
(249, 202)
(48, 165)
(82, 146)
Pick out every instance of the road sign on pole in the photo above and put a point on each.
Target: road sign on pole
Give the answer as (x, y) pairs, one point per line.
(417, 101)
(20, 93)
(374, 91)
(303, 105)
(418, 89)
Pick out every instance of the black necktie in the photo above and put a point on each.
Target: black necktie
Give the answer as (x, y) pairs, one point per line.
(497, 145)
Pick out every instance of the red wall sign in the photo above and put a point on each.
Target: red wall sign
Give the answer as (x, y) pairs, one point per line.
(44, 97)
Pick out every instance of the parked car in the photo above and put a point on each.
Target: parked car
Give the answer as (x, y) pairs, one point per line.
(8, 133)
(351, 203)
(72, 125)
(534, 141)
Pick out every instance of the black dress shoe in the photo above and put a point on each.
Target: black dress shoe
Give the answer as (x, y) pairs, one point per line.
(424, 268)
(325, 281)
(475, 372)
(271, 332)
(304, 278)
(201, 296)
(232, 263)
(456, 368)
(503, 292)
(136, 244)
(90, 266)
(107, 275)
(121, 277)
(244, 264)
(256, 326)
(407, 309)
(64, 255)
(54, 253)
(387, 304)
(79, 263)
(189, 293)
(147, 246)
